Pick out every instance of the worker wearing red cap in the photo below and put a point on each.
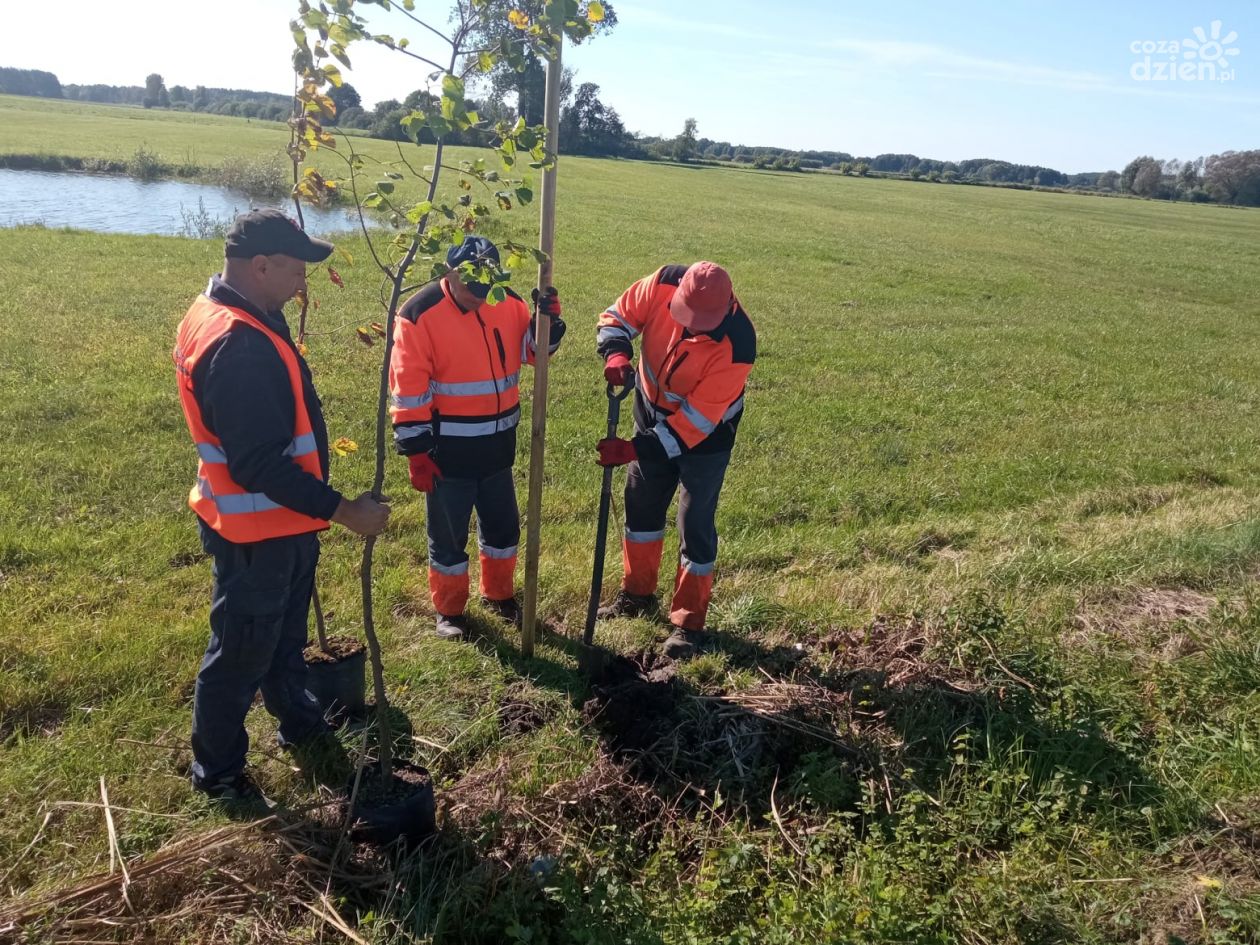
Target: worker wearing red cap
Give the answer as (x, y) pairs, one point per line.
(698, 346)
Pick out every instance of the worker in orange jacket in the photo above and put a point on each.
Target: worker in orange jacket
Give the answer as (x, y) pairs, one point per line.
(261, 496)
(698, 346)
(455, 404)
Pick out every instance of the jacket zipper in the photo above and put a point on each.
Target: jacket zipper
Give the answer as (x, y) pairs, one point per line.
(662, 377)
(498, 402)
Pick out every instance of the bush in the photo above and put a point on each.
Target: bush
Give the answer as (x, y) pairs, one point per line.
(145, 164)
(269, 177)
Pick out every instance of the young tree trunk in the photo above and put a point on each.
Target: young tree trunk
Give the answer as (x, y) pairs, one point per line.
(398, 280)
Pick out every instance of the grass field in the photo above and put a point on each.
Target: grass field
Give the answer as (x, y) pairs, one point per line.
(998, 477)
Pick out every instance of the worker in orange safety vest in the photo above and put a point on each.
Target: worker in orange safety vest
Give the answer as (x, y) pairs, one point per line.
(697, 349)
(261, 496)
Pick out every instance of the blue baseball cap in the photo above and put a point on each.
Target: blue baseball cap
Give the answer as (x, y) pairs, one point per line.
(480, 252)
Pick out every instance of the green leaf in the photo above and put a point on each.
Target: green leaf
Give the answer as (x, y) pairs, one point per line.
(385, 186)
(339, 53)
(439, 126)
(334, 75)
(453, 88)
(373, 200)
(497, 294)
(524, 195)
(485, 61)
(419, 211)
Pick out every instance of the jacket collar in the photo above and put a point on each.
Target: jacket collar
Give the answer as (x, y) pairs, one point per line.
(219, 291)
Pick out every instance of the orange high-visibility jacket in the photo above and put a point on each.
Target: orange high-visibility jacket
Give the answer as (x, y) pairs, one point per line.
(690, 389)
(454, 380)
(232, 511)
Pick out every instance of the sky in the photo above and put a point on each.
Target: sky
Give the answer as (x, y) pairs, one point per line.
(1073, 85)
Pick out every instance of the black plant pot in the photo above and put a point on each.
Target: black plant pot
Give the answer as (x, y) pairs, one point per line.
(339, 686)
(404, 809)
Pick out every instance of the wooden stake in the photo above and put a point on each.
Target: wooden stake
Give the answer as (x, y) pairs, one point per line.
(538, 427)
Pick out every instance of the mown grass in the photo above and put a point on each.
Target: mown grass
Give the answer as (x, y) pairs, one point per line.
(1003, 411)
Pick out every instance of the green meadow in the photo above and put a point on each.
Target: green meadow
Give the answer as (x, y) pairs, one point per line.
(988, 655)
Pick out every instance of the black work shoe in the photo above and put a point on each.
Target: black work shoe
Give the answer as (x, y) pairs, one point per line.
(508, 610)
(684, 644)
(626, 604)
(451, 628)
(239, 797)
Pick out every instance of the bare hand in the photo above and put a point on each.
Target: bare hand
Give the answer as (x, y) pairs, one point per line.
(363, 516)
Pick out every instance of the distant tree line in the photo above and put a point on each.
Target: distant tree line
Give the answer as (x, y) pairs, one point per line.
(153, 94)
(589, 126)
(29, 82)
(1232, 177)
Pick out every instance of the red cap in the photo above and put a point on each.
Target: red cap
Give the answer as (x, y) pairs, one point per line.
(703, 297)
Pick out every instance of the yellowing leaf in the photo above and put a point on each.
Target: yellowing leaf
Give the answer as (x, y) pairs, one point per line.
(1208, 882)
(378, 328)
(518, 19)
(365, 336)
(344, 446)
(302, 349)
(595, 11)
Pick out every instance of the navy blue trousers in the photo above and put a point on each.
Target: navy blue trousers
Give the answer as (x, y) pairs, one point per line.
(258, 617)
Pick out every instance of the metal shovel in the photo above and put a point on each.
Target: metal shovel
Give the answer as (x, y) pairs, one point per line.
(590, 659)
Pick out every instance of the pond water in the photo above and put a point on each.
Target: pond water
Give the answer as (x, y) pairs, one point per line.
(108, 204)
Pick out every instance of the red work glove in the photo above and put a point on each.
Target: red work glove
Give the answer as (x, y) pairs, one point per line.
(618, 371)
(549, 302)
(424, 472)
(615, 452)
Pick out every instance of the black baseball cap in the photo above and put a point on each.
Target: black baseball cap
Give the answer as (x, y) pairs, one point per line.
(269, 232)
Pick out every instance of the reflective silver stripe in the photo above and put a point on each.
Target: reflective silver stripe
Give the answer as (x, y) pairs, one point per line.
(474, 388)
(453, 426)
(528, 346)
(668, 440)
(699, 570)
(630, 329)
(301, 445)
(734, 408)
(640, 538)
(673, 398)
(611, 333)
(408, 432)
(239, 504)
(698, 420)
(411, 403)
(452, 570)
(498, 553)
(210, 453)
(647, 369)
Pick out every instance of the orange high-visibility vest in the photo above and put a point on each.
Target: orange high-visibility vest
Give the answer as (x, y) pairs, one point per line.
(232, 511)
